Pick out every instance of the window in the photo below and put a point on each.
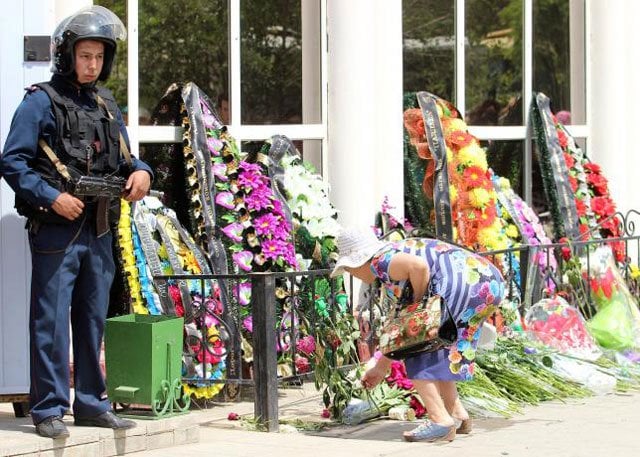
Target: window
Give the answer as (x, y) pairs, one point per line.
(488, 57)
(261, 63)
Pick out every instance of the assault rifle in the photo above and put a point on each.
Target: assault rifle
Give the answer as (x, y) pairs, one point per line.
(93, 186)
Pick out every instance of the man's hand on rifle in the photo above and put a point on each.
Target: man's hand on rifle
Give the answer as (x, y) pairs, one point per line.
(68, 206)
(137, 186)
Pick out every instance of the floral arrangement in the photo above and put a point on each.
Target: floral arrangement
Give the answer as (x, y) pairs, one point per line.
(176, 253)
(314, 216)
(473, 199)
(594, 204)
(128, 263)
(529, 226)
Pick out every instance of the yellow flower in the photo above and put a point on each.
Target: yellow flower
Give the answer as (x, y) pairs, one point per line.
(453, 194)
(479, 197)
(449, 154)
(635, 271)
(512, 231)
(504, 183)
(473, 155)
(455, 124)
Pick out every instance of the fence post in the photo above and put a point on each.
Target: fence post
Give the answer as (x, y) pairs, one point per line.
(264, 346)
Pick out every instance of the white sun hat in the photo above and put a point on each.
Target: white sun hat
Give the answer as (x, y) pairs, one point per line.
(355, 247)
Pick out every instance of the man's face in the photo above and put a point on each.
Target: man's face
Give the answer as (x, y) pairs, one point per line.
(89, 58)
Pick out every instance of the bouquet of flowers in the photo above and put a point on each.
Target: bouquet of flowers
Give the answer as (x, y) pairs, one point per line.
(557, 324)
(616, 325)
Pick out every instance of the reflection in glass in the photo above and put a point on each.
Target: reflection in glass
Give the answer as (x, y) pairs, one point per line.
(493, 64)
(280, 60)
(506, 159)
(428, 30)
(558, 55)
(117, 81)
(181, 42)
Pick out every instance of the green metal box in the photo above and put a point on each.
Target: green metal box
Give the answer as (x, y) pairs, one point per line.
(143, 356)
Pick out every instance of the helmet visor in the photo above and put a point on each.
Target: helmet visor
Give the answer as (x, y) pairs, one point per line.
(91, 22)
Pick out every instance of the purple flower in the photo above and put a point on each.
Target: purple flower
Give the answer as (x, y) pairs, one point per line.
(243, 292)
(266, 224)
(250, 167)
(282, 230)
(243, 260)
(248, 180)
(214, 145)
(247, 323)
(272, 249)
(225, 199)
(234, 231)
(258, 199)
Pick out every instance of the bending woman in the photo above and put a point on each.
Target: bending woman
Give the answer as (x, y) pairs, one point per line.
(471, 286)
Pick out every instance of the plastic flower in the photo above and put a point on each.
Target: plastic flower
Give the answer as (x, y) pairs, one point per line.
(234, 231)
(460, 138)
(243, 292)
(243, 260)
(225, 199)
(474, 176)
(266, 224)
(479, 197)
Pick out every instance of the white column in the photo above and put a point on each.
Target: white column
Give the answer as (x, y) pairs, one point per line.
(365, 107)
(615, 97)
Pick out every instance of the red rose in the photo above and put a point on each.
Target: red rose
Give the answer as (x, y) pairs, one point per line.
(233, 416)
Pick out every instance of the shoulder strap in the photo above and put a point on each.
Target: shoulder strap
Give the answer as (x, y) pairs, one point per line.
(123, 144)
(62, 169)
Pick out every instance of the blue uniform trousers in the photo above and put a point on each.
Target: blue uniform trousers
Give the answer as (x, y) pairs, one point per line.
(72, 272)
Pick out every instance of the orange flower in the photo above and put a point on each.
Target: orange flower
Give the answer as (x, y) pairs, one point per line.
(474, 176)
(486, 217)
(459, 138)
(414, 123)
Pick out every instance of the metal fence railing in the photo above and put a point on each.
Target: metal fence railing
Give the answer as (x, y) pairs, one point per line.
(284, 307)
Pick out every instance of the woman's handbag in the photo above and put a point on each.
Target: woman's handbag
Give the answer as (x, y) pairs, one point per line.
(407, 332)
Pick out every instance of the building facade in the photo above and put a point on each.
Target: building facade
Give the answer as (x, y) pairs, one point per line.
(331, 75)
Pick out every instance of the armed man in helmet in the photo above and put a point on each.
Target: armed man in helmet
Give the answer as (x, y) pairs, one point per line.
(65, 129)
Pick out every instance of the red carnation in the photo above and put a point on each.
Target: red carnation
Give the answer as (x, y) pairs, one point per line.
(569, 160)
(563, 138)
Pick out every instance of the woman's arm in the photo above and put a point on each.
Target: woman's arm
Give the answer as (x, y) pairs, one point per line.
(406, 266)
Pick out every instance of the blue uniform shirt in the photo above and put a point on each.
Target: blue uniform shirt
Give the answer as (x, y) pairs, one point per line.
(34, 119)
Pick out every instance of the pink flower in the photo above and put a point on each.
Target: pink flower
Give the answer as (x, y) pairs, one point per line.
(272, 249)
(243, 260)
(243, 292)
(225, 199)
(258, 199)
(306, 345)
(220, 171)
(249, 180)
(234, 231)
(247, 323)
(266, 224)
(214, 145)
(302, 364)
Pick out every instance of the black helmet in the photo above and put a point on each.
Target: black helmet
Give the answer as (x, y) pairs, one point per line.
(93, 22)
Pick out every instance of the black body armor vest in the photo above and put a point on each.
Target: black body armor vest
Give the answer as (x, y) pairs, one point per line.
(87, 142)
